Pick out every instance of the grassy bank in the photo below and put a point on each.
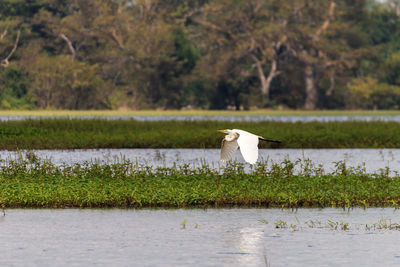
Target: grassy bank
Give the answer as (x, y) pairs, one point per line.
(39, 184)
(76, 133)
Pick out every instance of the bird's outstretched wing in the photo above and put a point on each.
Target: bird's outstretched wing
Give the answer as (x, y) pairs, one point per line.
(228, 148)
(248, 144)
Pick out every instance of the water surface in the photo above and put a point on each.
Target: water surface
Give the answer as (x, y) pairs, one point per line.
(372, 160)
(254, 118)
(214, 237)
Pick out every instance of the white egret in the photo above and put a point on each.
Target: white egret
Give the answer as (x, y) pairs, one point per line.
(247, 142)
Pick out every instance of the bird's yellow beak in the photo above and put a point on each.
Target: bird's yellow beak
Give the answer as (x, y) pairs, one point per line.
(222, 131)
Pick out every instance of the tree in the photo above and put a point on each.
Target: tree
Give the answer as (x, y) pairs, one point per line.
(150, 55)
(369, 93)
(244, 37)
(61, 83)
(257, 38)
(14, 84)
(198, 53)
(320, 38)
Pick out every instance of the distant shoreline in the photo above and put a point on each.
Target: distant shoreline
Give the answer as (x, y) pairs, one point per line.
(259, 112)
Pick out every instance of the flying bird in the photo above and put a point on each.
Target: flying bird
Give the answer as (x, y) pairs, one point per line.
(247, 142)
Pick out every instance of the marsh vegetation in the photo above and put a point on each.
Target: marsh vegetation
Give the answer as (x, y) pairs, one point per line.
(32, 182)
(102, 133)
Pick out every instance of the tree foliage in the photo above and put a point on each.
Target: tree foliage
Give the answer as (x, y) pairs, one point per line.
(113, 54)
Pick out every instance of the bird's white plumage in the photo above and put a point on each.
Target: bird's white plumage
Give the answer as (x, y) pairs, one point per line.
(228, 148)
(247, 142)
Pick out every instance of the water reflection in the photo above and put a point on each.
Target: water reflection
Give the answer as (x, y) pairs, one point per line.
(250, 242)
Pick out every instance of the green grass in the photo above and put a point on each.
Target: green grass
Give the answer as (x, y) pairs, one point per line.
(97, 133)
(37, 184)
(265, 112)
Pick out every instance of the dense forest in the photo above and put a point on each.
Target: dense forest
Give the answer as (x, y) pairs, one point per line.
(203, 54)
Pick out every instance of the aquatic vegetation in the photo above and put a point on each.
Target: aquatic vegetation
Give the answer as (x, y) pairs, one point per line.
(314, 224)
(281, 224)
(264, 221)
(102, 133)
(29, 181)
(183, 224)
(382, 224)
(333, 225)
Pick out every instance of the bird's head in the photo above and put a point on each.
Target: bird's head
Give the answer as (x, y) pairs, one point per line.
(226, 131)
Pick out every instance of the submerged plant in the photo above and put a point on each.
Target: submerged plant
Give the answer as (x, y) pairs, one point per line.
(382, 224)
(183, 224)
(281, 224)
(314, 224)
(294, 227)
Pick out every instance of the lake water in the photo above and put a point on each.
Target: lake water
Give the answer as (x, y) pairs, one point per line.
(197, 237)
(372, 160)
(213, 237)
(219, 118)
(270, 118)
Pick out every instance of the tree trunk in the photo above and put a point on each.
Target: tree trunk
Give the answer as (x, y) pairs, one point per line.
(5, 62)
(311, 89)
(266, 81)
(329, 92)
(309, 74)
(70, 46)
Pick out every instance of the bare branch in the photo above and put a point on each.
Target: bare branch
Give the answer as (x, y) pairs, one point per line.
(266, 81)
(70, 46)
(5, 62)
(4, 34)
(255, 8)
(281, 42)
(205, 23)
(117, 39)
(188, 16)
(298, 9)
(209, 25)
(329, 91)
(327, 22)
